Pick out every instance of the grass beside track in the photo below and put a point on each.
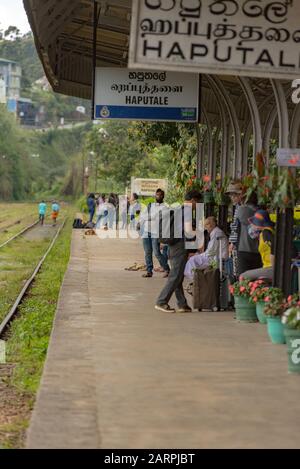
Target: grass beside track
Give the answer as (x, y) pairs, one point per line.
(29, 336)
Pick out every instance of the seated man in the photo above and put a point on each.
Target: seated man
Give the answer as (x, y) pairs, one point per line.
(203, 260)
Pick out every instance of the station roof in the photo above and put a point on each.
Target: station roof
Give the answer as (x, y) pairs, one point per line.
(63, 32)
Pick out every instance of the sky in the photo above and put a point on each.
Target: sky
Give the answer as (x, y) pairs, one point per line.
(12, 13)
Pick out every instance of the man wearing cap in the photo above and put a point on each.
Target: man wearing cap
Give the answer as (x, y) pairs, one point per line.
(262, 227)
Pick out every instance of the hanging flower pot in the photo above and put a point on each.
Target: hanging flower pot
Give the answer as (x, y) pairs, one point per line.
(208, 197)
(276, 330)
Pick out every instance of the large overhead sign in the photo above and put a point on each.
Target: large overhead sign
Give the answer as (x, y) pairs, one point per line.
(146, 95)
(245, 37)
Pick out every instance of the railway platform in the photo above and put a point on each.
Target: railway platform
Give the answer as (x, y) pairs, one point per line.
(120, 374)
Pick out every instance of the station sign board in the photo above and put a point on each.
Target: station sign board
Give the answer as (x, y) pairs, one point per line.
(148, 187)
(288, 157)
(144, 95)
(248, 37)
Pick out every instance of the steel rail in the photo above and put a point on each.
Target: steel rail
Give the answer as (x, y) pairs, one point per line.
(19, 234)
(28, 283)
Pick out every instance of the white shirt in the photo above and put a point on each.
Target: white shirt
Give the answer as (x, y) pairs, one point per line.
(149, 219)
(213, 247)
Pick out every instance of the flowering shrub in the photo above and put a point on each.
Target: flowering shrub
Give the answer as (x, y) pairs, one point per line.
(258, 291)
(291, 317)
(275, 302)
(241, 288)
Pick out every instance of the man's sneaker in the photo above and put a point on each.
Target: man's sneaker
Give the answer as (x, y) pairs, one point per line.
(184, 309)
(165, 308)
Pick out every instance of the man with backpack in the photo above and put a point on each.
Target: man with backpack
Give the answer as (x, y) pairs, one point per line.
(178, 254)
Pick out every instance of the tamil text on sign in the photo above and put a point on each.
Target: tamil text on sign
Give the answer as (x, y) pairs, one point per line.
(245, 37)
(146, 95)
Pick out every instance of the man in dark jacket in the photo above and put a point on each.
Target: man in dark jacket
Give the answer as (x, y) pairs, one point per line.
(91, 203)
(178, 255)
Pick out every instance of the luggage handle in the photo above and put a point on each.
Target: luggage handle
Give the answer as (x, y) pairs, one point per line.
(219, 239)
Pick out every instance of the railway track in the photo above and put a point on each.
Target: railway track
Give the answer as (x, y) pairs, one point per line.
(13, 310)
(17, 235)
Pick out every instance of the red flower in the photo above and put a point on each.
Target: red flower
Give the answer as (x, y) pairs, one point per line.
(290, 298)
(242, 289)
(255, 299)
(206, 178)
(267, 299)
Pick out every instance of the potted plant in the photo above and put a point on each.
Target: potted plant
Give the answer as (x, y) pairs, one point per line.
(291, 323)
(245, 311)
(274, 308)
(208, 194)
(220, 191)
(258, 293)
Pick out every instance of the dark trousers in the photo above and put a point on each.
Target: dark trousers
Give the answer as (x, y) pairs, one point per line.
(151, 245)
(248, 261)
(92, 213)
(178, 256)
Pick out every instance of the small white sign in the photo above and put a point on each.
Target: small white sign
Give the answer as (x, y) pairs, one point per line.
(146, 95)
(288, 157)
(148, 187)
(235, 37)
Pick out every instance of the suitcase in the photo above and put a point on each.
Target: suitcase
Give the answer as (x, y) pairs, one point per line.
(211, 286)
(206, 289)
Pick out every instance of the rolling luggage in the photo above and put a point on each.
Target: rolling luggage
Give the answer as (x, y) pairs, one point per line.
(206, 289)
(211, 286)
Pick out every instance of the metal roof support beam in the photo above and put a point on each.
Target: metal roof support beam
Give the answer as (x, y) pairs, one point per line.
(282, 111)
(256, 122)
(237, 165)
(295, 127)
(215, 149)
(224, 129)
(209, 139)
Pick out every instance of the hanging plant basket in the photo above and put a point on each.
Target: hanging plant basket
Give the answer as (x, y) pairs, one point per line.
(208, 197)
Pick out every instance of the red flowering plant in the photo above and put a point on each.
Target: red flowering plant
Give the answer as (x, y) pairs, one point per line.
(219, 188)
(195, 183)
(275, 302)
(241, 288)
(258, 291)
(207, 183)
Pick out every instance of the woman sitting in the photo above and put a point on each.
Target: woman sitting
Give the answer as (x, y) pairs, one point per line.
(262, 227)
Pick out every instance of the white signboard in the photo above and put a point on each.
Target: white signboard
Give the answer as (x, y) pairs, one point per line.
(146, 95)
(148, 187)
(288, 157)
(245, 37)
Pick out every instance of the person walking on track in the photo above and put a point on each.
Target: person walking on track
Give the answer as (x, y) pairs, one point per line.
(42, 211)
(55, 212)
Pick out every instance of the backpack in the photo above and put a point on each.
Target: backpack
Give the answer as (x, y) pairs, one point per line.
(167, 226)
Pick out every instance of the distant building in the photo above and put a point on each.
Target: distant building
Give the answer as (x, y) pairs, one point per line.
(43, 84)
(11, 72)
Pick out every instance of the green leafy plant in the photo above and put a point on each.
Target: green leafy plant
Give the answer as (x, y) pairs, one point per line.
(275, 302)
(287, 191)
(219, 189)
(291, 317)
